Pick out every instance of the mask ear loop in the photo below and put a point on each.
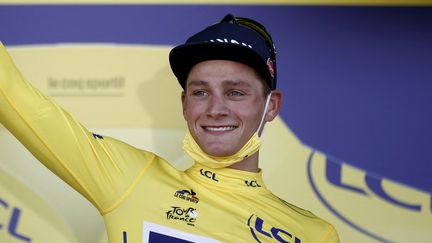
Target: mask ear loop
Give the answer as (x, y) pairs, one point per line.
(261, 125)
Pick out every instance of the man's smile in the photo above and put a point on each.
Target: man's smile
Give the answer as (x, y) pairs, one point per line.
(219, 128)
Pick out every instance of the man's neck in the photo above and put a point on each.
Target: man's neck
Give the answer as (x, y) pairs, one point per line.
(249, 164)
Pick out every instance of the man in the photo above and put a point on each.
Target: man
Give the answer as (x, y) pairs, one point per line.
(228, 74)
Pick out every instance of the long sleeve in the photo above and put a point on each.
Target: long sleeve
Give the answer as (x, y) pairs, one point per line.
(100, 168)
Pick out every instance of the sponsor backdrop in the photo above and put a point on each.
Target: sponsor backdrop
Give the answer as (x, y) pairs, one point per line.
(351, 143)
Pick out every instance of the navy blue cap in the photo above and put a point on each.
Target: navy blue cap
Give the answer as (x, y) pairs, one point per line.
(227, 40)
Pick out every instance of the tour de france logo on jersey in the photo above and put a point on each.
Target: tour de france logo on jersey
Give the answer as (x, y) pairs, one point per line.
(187, 195)
(263, 231)
(187, 215)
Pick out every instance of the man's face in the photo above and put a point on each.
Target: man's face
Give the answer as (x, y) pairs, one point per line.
(223, 105)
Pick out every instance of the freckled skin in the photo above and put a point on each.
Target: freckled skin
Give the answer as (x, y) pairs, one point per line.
(223, 105)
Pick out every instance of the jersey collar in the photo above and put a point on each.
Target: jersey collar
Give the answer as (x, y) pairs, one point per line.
(228, 179)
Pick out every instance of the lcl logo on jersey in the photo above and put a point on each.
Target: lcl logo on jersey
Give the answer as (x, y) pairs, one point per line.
(382, 202)
(252, 183)
(263, 232)
(209, 174)
(188, 215)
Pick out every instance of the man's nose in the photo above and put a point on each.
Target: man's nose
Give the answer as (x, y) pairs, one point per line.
(217, 106)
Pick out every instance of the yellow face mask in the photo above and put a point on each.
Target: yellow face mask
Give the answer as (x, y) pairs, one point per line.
(194, 151)
(191, 147)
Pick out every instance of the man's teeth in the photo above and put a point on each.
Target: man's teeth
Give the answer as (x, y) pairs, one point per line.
(219, 129)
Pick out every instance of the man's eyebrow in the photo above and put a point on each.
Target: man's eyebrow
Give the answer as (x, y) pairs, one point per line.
(196, 83)
(237, 83)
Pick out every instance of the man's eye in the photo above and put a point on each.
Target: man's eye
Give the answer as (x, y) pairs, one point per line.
(235, 93)
(199, 93)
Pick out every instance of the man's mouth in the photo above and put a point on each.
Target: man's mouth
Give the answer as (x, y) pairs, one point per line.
(219, 128)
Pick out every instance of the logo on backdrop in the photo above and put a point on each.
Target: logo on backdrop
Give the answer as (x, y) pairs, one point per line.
(11, 224)
(377, 201)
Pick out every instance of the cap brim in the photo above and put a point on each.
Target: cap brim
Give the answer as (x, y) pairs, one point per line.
(182, 58)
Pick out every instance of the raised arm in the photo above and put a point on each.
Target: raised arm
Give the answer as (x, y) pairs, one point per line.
(100, 168)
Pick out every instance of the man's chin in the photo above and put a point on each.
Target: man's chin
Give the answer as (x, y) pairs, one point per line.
(219, 152)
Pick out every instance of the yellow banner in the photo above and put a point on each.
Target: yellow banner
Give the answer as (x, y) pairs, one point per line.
(97, 82)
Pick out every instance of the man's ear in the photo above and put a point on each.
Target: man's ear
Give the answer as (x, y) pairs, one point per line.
(275, 105)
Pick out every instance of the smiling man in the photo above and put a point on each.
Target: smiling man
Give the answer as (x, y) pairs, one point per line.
(228, 74)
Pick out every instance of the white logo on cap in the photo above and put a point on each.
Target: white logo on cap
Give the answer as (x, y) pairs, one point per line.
(232, 41)
(270, 66)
